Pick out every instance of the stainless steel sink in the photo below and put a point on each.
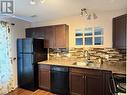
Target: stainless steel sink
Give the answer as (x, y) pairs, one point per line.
(90, 64)
(80, 63)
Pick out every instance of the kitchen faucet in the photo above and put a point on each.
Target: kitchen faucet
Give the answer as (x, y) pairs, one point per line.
(87, 56)
(100, 60)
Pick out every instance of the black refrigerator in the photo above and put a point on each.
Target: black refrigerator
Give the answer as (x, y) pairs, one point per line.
(29, 52)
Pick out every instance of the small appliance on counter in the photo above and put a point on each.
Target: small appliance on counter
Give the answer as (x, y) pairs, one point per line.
(29, 52)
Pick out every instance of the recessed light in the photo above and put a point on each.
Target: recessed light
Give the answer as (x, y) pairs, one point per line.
(42, 1)
(32, 2)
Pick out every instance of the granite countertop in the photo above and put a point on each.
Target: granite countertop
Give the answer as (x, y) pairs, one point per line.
(115, 68)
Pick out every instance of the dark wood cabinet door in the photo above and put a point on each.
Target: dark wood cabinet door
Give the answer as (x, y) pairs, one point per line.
(44, 78)
(37, 33)
(109, 87)
(119, 32)
(49, 37)
(76, 83)
(60, 37)
(29, 33)
(93, 85)
(87, 82)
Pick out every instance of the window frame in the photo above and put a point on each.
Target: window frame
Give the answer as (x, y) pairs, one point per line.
(93, 36)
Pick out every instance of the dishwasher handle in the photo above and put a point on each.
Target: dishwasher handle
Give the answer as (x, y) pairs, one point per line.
(59, 68)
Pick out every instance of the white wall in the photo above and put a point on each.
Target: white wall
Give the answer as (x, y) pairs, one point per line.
(17, 31)
(104, 20)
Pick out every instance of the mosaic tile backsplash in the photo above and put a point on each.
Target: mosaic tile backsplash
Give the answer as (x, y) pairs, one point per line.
(108, 55)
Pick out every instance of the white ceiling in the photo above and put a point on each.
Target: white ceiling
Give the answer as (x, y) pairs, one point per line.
(53, 9)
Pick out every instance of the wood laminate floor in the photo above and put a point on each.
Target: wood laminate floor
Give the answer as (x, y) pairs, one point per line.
(20, 91)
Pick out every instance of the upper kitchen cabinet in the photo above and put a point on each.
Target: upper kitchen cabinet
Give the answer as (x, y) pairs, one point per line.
(61, 36)
(49, 37)
(29, 32)
(37, 32)
(119, 32)
(57, 36)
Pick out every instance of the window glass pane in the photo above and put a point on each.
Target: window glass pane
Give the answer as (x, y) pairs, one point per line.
(88, 41)
(88, 31)
(78, 32)
(98, 31)
(79, 41)
(98, 41)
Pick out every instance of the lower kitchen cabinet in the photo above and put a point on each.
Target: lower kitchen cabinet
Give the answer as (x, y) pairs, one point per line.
(44, 77)
(93, 85)
(82, 81)
(76, 83)
(87, 82)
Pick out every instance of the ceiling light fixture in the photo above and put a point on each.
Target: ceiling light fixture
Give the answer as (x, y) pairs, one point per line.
(33, 2)
(42, 1)
(88, 15)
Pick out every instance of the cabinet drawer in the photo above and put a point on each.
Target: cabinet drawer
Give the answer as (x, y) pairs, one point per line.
(42, 66)
(87, 71)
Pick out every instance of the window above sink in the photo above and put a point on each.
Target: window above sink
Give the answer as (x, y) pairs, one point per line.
(89, 36)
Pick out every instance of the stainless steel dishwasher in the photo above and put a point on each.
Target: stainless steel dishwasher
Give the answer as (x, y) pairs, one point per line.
(60, 80)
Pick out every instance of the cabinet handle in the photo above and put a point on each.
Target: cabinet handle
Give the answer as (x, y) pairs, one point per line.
(83, 77)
